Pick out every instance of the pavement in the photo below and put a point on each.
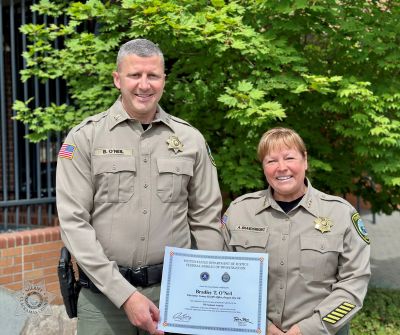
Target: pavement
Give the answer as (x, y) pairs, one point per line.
(17, 320)
(385, 250)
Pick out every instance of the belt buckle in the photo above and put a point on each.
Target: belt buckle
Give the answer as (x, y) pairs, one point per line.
(140, 275)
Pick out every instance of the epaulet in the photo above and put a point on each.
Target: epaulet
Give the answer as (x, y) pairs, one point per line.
(328, 197)
(93, 118)
(254, 195)
(177, 119)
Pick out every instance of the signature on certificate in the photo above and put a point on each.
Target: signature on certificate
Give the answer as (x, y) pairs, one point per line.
(182, 317)
(242, 321)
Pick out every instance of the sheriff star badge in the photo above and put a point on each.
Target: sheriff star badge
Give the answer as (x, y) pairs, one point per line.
(175, 144)
(322, 224)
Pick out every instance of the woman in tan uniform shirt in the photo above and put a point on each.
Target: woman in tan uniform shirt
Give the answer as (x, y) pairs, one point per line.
(317, 243)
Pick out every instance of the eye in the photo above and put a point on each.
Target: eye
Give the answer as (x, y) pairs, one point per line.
(270, 161)
(153, 77)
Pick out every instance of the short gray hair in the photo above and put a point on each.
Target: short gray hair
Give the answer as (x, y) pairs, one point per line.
(140, 47)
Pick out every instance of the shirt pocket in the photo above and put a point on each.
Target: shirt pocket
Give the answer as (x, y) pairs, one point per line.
(319, 256)
(249, 241)
(173, 178)
(114, 179)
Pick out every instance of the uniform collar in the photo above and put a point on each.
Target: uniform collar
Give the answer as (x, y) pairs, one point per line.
(117, 115)
(308, 202)
(268, 201)
(163, 117)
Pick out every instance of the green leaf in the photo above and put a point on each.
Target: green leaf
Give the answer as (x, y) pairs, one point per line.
(235, 69)
(218, 3)
(244, 86)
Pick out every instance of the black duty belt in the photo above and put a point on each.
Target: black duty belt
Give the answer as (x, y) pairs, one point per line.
(141, 276)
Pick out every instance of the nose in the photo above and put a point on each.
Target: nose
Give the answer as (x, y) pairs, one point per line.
(144, 83)
(281, 165)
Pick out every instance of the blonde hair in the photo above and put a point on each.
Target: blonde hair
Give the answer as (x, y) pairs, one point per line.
(277, 137)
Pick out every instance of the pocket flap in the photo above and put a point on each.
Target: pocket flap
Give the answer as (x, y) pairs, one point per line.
(101, 165)
(322, 243)
(249, 239)
(176, 166)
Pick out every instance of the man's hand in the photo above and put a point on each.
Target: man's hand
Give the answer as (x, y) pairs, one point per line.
(274, 330)
(294, 330)
(142, 313)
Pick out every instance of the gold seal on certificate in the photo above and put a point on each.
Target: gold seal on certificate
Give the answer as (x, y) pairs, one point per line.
(203, 292)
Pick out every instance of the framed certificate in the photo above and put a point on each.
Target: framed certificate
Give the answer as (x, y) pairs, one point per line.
(213, 292)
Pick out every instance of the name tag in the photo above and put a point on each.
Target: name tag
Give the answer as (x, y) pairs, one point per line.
(118, 152)
(248, 228)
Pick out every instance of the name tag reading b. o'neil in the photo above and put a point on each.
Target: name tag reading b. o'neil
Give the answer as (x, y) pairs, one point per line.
(114, 152)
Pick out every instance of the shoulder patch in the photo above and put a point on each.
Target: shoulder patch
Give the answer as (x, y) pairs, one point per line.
(360, 227)
(67, 151)
(224, 219)
(210, 155)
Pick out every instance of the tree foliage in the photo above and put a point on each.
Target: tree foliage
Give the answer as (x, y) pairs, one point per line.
(329, 69)
(379, 315)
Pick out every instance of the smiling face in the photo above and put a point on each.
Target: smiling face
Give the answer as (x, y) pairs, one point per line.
(141, 81)
(285, 170)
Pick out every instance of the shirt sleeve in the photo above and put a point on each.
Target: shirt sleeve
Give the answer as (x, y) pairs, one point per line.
(348, 293)
(204, 201)
(75, 191)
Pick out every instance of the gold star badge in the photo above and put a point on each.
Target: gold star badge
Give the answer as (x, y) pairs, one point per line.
(323, 224)
(175, 144)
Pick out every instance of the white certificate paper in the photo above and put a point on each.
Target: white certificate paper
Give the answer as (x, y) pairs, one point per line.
(213, 292)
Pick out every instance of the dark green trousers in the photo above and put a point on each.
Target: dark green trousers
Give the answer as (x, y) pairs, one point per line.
(97, 315)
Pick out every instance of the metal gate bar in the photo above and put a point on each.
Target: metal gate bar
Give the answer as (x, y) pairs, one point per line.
(27, 195)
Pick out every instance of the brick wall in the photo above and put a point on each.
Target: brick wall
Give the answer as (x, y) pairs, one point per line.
(31, 255)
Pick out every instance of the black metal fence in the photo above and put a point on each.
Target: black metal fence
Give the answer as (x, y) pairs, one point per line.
(27, 185)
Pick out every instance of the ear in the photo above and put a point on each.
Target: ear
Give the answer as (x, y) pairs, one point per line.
(306, 160)
(117, 81)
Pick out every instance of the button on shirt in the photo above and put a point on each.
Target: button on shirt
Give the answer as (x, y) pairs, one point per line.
(124, 195)
(311, 274)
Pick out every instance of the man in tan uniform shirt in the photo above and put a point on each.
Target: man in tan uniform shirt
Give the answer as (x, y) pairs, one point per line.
(130, 181)
(318, 257)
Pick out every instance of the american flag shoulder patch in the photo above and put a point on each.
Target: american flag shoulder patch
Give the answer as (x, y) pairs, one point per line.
(339, 313)
(224, 219)
(67, 151)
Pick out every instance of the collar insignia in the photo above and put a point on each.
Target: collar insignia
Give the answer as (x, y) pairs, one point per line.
(175, 144)
(324, 225)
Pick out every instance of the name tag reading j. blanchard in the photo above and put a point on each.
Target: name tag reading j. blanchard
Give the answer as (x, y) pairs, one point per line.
(213, 292)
